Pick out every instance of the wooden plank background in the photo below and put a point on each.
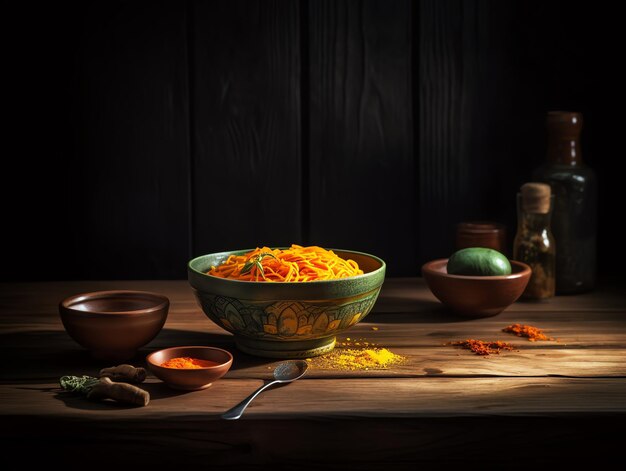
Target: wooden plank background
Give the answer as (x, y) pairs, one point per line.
(362, 167)
(246, 124)
(471, 160)
(147, 133)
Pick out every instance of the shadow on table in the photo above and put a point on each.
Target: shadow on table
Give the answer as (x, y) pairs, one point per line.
(157, 390)
(43, 356)
(77, 401)
(414, 311)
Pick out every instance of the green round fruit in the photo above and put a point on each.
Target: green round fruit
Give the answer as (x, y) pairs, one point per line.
(478, 261)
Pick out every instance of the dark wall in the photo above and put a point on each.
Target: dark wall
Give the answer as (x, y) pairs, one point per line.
(145, 133)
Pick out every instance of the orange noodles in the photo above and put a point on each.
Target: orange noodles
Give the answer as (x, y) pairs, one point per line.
(296, 263)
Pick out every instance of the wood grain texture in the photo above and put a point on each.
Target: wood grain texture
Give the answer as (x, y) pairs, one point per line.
(589, 332)
(36, 184)
(362, 174)
(565, 400)
(100, 122)
(246, 131)
(324, 398)
(101, 118)
(129, 211)
(480, 128)
(335, 443)
(442, 361)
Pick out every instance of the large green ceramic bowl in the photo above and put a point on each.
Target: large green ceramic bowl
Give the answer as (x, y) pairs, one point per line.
(286, 320)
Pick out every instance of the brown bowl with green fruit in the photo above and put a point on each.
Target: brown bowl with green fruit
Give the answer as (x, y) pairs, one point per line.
(476, 295)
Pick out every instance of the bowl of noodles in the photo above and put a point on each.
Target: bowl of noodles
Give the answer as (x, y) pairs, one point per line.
(287, 302)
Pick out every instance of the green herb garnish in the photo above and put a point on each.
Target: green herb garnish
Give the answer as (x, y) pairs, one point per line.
(79, 384)
(256, 262)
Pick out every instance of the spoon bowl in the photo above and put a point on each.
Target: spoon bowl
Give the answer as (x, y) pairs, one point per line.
(285, 372)
(288, 371)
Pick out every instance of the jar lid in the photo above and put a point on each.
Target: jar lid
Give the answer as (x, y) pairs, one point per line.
(480, 227)
(481, 234)
(536, 198)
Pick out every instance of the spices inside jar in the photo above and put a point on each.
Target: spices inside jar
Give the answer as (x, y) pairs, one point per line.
(534, 243)
(188, 363)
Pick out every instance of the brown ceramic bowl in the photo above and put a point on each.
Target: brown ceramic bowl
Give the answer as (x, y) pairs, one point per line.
(190, 379)
(114, 324)
(476, 296)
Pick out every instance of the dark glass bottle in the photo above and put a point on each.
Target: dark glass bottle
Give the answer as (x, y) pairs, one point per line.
(575, 207)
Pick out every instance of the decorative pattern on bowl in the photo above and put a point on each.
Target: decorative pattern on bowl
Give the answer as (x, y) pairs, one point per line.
(285, 320)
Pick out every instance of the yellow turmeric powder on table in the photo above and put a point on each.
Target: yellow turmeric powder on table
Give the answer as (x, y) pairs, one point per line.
(356, 359)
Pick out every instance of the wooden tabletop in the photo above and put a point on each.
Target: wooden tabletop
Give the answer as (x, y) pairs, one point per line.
(553, 401)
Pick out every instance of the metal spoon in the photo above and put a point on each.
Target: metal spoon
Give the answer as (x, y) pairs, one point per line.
(285, 372)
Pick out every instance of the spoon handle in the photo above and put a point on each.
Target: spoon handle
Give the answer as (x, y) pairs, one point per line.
(235, 412)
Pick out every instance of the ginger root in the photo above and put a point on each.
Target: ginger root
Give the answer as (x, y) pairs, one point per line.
(124, 373)
(121, 392)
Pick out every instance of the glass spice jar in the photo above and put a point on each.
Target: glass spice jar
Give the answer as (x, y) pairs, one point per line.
(534, 242)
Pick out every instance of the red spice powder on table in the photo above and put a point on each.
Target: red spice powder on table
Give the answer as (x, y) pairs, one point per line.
(532, 333)
(481, 347)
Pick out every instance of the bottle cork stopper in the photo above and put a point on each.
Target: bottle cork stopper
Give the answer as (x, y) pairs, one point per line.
(536, 198)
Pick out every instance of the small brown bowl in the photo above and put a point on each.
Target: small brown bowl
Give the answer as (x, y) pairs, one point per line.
(476, 296)
(190, 379)
(114, 324)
